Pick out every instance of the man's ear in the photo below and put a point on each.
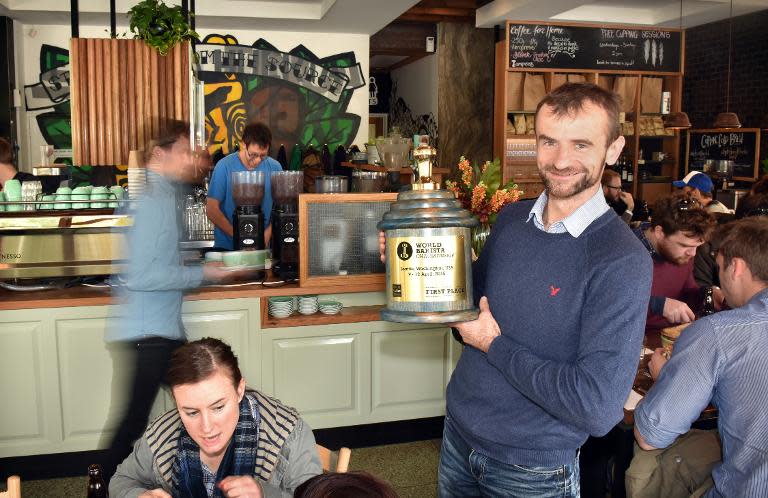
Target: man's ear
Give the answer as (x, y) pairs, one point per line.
(739, 268)
(614, 150)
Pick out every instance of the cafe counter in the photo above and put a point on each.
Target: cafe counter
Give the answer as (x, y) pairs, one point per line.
(56, 371)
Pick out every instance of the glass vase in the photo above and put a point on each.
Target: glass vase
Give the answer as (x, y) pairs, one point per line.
(479, 235)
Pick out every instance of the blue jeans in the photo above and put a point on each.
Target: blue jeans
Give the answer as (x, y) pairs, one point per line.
(466, 473)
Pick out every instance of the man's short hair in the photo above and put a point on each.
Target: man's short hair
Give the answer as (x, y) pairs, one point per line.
(681, 212)
(752, 205)
(169, 131)
(570, 98)
(257, 133)
(608, 175)
(745, 239)
(6, 151)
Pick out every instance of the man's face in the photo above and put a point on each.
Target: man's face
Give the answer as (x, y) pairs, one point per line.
(612, 190)
(695, 193)
(572, 150)
(677, 248)
(252, 155)
(178, 161)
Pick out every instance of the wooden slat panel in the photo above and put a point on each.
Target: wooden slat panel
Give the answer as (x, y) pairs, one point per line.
(121, 90)
(75, 60)
(108, 83)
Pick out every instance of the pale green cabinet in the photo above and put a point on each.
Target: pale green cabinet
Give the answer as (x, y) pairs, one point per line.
(58, 394)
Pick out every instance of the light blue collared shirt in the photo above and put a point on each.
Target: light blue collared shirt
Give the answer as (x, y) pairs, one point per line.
(577, 222)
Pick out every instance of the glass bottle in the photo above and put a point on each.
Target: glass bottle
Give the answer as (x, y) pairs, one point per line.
(708, 305)
(96, 486)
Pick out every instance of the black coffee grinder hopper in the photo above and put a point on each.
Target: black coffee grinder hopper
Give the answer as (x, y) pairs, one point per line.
(248, 220)
(286, 187)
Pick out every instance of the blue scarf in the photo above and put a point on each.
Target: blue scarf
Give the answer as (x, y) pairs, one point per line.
(239, 458)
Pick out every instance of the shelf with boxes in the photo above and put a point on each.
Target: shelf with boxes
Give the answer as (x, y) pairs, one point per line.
(647, 75)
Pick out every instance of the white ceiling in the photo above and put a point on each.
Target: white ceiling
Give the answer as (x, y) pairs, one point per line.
(369, 16)
(649, 12)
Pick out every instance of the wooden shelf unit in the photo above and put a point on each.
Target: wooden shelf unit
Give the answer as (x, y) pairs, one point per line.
(505, 76)
(351, 314)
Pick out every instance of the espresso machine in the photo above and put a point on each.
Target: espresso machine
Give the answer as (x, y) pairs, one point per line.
(248, 220)
(286, 186)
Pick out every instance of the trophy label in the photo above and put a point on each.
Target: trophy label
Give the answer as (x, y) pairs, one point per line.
(427, 269)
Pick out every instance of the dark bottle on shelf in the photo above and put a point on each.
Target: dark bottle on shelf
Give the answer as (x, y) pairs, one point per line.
(96, 486)
(708, 306)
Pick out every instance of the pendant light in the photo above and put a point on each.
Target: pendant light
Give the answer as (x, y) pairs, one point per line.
(677, 120)
(728, 119)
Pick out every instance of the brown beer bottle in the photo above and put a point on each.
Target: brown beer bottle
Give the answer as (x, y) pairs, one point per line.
(96, 486)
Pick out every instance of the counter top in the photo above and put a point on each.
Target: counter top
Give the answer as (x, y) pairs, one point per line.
(99, 296)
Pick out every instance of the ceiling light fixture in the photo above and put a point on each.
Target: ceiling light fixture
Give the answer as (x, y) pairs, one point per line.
(677, 120)
(728, 119)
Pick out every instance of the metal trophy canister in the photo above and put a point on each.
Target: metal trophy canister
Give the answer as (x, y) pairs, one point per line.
(428, 256)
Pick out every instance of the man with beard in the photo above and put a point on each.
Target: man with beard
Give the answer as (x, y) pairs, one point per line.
(680, 225)
(562, 287)
(621, 202)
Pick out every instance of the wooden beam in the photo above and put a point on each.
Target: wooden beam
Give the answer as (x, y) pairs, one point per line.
(401, 38)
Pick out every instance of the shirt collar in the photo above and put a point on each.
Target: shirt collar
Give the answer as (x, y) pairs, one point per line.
(576, 222)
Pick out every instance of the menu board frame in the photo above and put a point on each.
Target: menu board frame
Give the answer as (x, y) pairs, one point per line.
(593, 68)
(703, 131)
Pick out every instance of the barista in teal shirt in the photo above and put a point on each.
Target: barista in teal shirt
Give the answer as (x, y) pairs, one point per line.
(252, 156)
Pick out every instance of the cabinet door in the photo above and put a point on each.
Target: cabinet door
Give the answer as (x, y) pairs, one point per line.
(91, 405)
(29, 398)
(409, 372)
(320, 371)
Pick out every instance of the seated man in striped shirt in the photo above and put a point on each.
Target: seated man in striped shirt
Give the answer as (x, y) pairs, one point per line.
(720, 359)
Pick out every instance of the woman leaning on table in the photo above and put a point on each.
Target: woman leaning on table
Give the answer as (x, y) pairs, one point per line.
(222, 440)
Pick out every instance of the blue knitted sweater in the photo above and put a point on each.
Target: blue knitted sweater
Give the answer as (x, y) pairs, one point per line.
(572, 314)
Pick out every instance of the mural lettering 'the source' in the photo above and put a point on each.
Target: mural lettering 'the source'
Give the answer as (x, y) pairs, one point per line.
(301, 97)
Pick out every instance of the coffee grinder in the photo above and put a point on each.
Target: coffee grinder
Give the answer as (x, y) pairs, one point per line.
(248, 220)
(286, 186)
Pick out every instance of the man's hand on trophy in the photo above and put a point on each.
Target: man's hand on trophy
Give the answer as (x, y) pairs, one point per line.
(479, 333)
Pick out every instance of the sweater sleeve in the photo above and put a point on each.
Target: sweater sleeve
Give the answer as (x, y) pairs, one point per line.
(136, 474)
(299, 461)
(588, 392)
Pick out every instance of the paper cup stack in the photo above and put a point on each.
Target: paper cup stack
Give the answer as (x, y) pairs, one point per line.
(308, 304)
(280, 307)
(329, 307)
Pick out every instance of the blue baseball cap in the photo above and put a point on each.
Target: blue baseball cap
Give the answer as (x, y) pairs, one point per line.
(697, 180)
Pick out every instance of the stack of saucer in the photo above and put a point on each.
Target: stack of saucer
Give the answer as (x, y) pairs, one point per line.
(280, 307)
(330, 307)
(308, 304)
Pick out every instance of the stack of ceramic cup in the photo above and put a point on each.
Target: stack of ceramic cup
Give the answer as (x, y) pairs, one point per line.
(81, 193)
(12, 191)
(280, 307)
(330, 307)
(308, 304)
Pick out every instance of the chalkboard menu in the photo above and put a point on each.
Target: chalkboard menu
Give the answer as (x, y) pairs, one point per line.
(562, 46)
(742, 146)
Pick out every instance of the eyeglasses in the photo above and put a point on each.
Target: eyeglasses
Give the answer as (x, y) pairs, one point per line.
(613, 188)
(687, 204)
(761, 211)
(254, 155)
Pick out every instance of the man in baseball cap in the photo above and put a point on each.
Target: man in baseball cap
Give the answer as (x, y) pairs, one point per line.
(700, 186)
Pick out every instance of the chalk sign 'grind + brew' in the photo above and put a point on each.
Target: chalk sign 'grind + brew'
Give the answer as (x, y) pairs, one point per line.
(545, 46)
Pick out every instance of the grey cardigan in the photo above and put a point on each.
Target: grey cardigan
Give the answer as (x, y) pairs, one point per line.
(297, 458)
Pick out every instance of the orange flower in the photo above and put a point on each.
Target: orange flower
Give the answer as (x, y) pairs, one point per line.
(478, 196)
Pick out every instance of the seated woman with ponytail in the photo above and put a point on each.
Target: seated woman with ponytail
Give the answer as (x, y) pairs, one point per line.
(222, 440)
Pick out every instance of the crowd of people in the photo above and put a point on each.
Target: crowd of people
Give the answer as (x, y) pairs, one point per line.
(570, 290)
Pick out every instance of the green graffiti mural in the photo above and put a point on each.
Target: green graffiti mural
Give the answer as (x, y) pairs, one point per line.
(51, 92)
(301, 97)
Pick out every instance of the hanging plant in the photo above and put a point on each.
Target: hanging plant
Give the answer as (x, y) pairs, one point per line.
(160, 26)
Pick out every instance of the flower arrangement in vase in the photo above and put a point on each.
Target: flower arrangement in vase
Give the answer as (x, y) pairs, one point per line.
(480, 191)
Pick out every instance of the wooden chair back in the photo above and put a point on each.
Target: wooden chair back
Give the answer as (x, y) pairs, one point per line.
(334, 461)
(14, 488)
